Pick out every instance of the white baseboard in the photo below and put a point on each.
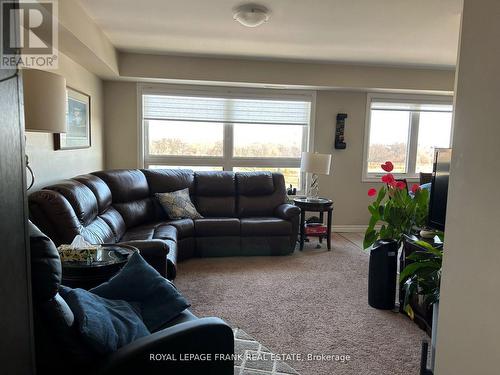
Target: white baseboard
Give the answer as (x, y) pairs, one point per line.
(351, 228)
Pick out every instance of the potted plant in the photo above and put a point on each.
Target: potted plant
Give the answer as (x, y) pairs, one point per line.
(422, 277)
(395, 212)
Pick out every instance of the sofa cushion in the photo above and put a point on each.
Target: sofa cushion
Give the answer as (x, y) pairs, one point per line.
(137, 281)
(259, 193)
(168, 180)
(185, 227)
(130, 195)
(104, 324)
(80, 197)
(178, 205)
(265, 226)
(115, 221)
(254, 183)
(216, 226)
(98, 232)
(46, 266)
(215, 184)
(136, 212)
(151, 231)
(165, 232)
(126, 185)
(99, 188)
(215, 194)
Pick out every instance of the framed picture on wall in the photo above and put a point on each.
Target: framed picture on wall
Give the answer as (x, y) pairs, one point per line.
(78, 121)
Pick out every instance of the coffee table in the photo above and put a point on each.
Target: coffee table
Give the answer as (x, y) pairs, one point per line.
(86, 275)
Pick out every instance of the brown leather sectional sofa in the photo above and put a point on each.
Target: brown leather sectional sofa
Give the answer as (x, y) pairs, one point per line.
(244, 213)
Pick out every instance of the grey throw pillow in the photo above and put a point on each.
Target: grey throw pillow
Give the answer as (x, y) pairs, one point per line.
(178, 205)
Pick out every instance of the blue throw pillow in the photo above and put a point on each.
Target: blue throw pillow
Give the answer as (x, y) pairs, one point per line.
(105, 325)
(137, 281)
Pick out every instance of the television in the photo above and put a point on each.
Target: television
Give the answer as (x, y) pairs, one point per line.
(439, 188)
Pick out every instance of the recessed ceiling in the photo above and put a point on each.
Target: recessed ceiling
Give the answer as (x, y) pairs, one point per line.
(394, 32)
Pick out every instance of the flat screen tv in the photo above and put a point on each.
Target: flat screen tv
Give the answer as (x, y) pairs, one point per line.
(439, 188)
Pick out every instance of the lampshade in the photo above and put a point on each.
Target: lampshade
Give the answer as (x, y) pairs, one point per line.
(44, 101)
(315, 163)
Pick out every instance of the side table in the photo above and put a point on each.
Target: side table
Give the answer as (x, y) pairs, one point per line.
(320, 205)
(86, 275)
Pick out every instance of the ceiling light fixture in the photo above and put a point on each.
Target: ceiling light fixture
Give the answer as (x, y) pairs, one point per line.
(251, 15)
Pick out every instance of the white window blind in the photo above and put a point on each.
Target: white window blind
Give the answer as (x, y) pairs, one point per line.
(226, 110)
(411, 106)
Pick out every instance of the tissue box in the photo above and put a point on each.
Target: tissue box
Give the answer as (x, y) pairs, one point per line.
(71, 254)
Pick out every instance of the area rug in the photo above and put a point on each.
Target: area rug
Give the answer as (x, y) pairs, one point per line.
(253, 358)
(312, 303)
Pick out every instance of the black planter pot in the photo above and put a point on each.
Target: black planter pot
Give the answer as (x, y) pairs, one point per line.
(382, 274)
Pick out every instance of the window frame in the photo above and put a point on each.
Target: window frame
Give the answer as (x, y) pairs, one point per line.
(411, 152)
(228, 161)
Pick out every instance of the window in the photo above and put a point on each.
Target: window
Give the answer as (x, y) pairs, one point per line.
(222, 129)
(405, 130)
(204, 168)
(292, 175)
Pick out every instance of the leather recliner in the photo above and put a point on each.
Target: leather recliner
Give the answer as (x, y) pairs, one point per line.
(244, 213)
(59, 348)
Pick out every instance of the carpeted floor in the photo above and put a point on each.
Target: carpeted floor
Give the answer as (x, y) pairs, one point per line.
(311, 302)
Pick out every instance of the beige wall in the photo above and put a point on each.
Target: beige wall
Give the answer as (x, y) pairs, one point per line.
(469, 325)
(343, 185)
(121, 133)
(50, 166)
(246, 71)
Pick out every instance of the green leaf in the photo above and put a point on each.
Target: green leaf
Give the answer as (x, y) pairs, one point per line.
(413, 268)
(427, 246)
(373, 211)
(370, 238)
(381, 195)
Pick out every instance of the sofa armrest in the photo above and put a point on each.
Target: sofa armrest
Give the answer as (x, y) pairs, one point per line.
(172, 351)
(287, 211)
(154, 252)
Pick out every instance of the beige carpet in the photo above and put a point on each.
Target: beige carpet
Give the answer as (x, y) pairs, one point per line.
(311, 302)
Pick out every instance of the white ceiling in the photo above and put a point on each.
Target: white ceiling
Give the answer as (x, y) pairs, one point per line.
(394, 32)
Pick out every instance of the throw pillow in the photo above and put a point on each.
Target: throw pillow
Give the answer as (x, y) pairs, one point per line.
(138, 282)
(178, 205)
(105, 325)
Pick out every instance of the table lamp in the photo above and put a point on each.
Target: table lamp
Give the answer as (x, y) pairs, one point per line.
(316, 164)
(45, 101)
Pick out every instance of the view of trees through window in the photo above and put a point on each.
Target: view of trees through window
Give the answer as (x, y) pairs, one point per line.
(177, 139)
(390, 139)
(182, 138)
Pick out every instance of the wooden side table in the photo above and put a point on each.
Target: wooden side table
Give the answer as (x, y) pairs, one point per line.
(320, 205)
(85, 275)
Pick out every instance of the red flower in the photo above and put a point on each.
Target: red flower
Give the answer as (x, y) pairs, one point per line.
(400, 185)
(415, 188)
(388, 166)
(388, 178)
(372, 192)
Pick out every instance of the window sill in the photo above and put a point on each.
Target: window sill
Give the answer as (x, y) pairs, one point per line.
(397, 177)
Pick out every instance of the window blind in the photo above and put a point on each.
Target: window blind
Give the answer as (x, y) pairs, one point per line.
(410, 106)
(228, 110)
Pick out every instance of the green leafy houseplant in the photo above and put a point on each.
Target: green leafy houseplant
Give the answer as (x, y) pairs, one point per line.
(395, 210)
(423, 275)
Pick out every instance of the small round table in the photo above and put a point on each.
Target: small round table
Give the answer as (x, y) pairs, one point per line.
(86, 275)
(320, 205)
